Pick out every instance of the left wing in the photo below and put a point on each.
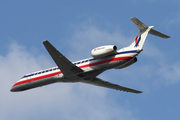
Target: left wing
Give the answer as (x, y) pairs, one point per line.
(102, 83)
(66, 67)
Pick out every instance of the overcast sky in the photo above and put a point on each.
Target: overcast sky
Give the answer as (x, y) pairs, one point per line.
(75, 27)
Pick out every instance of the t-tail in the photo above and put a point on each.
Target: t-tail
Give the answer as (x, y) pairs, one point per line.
(142, 34)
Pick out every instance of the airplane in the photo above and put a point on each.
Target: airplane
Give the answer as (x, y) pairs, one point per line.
(86, 71)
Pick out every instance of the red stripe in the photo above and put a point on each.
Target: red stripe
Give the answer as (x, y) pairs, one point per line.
(105, 61)
(83, 66)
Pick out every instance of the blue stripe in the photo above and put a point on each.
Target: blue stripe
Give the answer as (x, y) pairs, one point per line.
(138, 41)
(132, 51)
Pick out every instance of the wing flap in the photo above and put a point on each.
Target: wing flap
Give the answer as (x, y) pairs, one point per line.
(102, 83)
(66, 66)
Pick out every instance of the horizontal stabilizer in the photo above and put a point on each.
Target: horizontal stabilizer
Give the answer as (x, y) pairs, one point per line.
(154, 32)
(141, 26)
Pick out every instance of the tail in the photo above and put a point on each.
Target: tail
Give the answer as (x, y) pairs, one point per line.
(143, 32)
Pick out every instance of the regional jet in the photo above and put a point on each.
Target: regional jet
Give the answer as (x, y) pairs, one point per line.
(86, 71)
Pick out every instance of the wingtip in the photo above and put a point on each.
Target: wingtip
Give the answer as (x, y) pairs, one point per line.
(168, 37)
(140, 92)
(133, 18)
(45, 41)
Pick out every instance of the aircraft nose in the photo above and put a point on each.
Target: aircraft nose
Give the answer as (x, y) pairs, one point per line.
(14, 89)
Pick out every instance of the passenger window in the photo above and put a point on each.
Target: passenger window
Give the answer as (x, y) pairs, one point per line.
(90, 59)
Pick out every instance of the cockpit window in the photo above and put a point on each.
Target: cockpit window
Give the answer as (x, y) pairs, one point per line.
(24, 76)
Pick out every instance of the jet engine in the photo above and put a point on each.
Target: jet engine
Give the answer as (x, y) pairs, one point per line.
(103, 51)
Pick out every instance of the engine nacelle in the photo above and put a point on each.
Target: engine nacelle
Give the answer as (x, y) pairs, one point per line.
(127, 64)
(103, 51)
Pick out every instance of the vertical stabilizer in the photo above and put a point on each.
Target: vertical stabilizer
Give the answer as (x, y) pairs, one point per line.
(142, 34)
(140, 38)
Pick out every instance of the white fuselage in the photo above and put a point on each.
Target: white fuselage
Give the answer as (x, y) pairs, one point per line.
(104, 58)
(91, 66)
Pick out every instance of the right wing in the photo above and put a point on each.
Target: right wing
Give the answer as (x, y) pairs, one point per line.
(66, 67)
(102, 83)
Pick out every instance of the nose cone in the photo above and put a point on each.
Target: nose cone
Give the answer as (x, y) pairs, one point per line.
(13, 89)
(19, 88)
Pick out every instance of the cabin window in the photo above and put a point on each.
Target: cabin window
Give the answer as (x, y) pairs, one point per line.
(31, 74)
(90, 59)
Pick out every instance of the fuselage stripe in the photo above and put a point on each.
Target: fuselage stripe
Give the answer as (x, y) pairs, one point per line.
(83, 66)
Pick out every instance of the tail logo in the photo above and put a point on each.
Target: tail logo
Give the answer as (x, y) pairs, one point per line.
(137, 40)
